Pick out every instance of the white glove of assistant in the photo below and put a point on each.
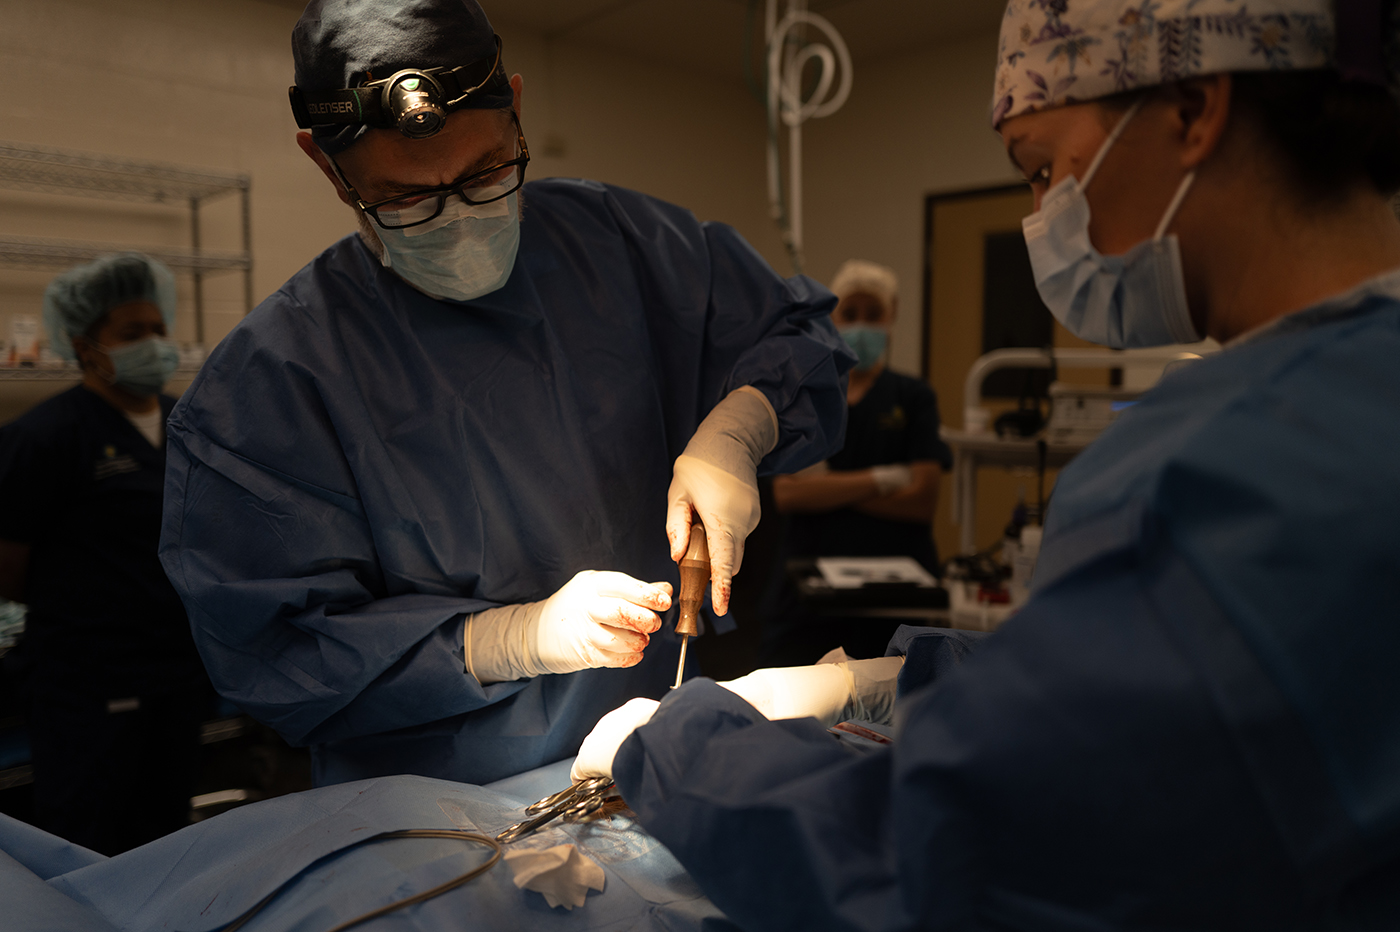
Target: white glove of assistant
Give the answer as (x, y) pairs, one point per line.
(861, 690)
(895, 477)
(598, 619)
(717, 477)
(595, 758)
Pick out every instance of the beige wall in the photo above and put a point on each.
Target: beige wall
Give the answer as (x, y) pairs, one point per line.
(204, 84)
(687, 137)
(193, 83)
(914, 125)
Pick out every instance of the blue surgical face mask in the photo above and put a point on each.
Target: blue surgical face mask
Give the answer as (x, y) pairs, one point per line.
(1136, 299)
(467, 251)
(869, 344)
(143, 367)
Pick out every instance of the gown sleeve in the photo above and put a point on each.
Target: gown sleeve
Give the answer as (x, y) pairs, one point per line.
(711, 290)
(1114, 757)
(279, 568)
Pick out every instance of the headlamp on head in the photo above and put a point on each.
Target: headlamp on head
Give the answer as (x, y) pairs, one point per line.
(415, 101)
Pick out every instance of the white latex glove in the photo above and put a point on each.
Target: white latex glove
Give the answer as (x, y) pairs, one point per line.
(595, 757)
(717, 478)
(862, 690)
(598, 619)
(895, 477)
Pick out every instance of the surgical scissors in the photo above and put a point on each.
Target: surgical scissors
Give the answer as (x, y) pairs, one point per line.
(572, 803)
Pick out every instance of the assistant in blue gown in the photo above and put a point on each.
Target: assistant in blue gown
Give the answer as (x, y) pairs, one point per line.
(359, 465)
(1193, 724)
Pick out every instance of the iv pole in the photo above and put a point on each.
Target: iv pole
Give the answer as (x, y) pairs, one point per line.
(788, 57)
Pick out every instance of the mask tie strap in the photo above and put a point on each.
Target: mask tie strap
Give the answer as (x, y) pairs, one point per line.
(1108, 143)
(1174, 206)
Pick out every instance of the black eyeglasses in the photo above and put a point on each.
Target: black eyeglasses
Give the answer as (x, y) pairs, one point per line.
(490, 184)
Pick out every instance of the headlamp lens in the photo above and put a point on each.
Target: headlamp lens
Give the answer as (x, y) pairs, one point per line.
(415, 103)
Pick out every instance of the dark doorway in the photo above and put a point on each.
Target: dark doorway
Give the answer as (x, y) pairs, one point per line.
(1012, 315)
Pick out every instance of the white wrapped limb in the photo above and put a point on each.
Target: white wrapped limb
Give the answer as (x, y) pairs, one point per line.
(860, 690)
(863, 690)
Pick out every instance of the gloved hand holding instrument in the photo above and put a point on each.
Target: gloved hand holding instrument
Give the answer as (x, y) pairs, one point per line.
(603, 619)
(716, 479)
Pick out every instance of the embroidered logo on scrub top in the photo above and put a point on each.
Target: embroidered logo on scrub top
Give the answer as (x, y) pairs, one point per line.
(894, 419)
(113, 463)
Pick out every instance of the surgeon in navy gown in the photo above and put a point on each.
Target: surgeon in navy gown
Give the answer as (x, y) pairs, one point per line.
(1194, 723)
(423, 503)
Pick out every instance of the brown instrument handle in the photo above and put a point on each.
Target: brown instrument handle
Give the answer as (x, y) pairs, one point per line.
(695, 576)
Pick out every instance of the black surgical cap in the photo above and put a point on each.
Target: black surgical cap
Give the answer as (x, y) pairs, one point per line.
(336, 41)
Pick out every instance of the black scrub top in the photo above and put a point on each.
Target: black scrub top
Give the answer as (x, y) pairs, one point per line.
(896, 422)
(83, 487)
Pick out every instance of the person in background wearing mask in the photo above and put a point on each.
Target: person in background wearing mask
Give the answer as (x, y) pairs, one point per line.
(424, 502)
(877, 496)
(115, 689)
(1194, 723)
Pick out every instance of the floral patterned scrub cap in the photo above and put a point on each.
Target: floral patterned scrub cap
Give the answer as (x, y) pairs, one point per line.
(1056, 52)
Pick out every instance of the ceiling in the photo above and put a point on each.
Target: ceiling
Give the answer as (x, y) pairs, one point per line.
(709, 35)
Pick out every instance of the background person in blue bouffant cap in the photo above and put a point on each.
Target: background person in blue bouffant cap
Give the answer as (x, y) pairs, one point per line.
(114, 690)
(1194, 722)
(423, 503)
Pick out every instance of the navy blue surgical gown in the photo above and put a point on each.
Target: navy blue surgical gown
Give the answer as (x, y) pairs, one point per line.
(358, 466)
(1193, 724)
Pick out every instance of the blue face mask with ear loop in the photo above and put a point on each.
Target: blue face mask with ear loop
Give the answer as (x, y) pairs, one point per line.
(1137, 299)
(144, 366)
(868, 342)
(464, 253)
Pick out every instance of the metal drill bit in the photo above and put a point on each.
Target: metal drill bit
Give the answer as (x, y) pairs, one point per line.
(680, 667)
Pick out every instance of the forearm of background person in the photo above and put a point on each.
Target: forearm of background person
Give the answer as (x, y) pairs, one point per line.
(914, 503)
(14, 567)
(814, 493)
